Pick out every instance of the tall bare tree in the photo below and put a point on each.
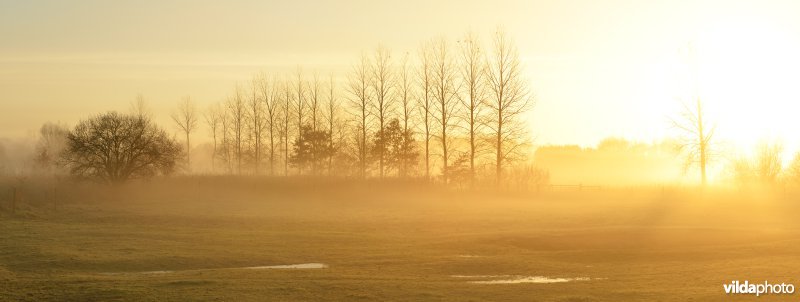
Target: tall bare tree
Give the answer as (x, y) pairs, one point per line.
(696, 142)
(213, 119)
(405, 92)
(510, 99)
(271, 98)
(382, 82)
(314, 103)
(186, 120)
(256, 121)
(140, 108)
(225, 151)
(332, 120)
(444, 94)
(237, 113)
(359, 88)
(286, 118)
(425, 78)
(473, 96)
(300, 106)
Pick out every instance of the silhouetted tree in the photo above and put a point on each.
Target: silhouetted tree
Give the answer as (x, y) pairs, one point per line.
(225, 150)
(256, 121)
(237, 115)
(332, 121)
(358, 87)
(405, 92)
(510, 99)
(270, 95)
(114, 148)
(763, 168)
(285, 119)
(473, 98)
(697, 139)
(300, 100)
(444, 93)
(425, 75)
(400, 147)
(186, 120)
(768, 165)
(382, 82)
(310, 149)
(213, 118)
(314, 101)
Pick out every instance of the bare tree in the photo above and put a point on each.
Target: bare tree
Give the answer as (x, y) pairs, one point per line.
(314, 110)
(237, 114)
(287, 106)
(696, 142)
(444, 94)
(358, 87)
(271, 98)
(473, 98)
(300, 105)
(510, 98)
(225, 146)
(140, 108)
(115, 148)
(405, 92)
(314, 103)
(333, 109)
(186, 120)
(768, 162)
(425, 75)
(257, 121)
(213, 117)
(382, 79)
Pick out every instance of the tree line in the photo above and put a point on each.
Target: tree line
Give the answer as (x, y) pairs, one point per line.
(446, 112)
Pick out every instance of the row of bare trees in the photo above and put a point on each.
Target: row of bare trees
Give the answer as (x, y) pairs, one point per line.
(448, 110)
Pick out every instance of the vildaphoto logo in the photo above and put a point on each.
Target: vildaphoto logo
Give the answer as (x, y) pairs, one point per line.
(747, 288)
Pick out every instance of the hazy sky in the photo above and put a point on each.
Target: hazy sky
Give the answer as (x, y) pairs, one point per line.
(597, 68)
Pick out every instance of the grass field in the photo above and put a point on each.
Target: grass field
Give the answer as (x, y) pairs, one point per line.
(399, 242)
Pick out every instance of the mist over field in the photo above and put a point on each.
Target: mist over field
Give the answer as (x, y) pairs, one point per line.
(373, 151)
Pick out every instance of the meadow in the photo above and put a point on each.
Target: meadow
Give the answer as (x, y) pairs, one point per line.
(198, 239)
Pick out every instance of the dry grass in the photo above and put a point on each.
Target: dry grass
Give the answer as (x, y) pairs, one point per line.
(389, 241)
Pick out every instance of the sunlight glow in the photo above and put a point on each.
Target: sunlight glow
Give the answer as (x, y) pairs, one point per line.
(747, 74)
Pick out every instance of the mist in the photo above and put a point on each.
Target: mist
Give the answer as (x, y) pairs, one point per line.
(385, 151)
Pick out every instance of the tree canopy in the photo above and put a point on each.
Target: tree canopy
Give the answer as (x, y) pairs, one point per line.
(114, 148)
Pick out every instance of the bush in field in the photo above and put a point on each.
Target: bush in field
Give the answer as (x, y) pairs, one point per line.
(114, 148)
(527, 177)
(764, 168)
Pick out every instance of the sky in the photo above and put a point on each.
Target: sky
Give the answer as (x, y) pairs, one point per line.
(597, 68)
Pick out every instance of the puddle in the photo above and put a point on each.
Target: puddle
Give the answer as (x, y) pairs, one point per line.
(480, 276)
(508, 279)
(156, 272)
(290, 266)
(286, 266)
(531, 279)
